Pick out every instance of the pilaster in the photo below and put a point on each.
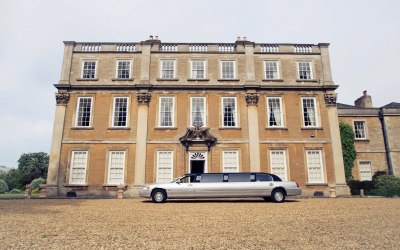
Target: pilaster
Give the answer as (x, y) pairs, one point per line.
(67, 62)
(254, 135)
(62, 100)
(340, 179)
(326, 64)
(143, 99)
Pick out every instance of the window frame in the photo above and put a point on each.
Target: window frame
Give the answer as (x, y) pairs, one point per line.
(109, 167)
(191, 112)
(77, 112)
(370, 170)
(204, 71)
(311, 70)
(237, 160)
(364, 127)
(321, 159)
(162, 69)
(236, 112)
(317, 122)
(281, 112)
(172, 112)
(234, 69)
(158, 161)
(72, 164)
(286, 177)
(277, 70)
(95, 68)
(113, 112)
(130, 68)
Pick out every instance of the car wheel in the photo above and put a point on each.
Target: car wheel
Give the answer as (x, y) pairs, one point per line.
(159, 196)
(278, 195)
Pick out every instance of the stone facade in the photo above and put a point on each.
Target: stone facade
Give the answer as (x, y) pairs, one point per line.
(165, 134)
(378, 140)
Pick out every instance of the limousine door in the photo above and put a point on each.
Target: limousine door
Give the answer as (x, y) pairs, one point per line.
(263, 185)
(182, 188)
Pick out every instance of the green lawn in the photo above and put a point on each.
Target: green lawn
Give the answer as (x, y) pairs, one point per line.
(16, 196)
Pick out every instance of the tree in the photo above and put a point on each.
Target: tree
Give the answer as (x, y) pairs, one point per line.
(349, 151)
(13, 178)
(32, 166)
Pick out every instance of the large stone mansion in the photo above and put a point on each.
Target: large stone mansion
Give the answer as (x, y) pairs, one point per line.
(129, 113)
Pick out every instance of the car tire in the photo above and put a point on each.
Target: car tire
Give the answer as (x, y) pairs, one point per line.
(278, 195)
(158, 196)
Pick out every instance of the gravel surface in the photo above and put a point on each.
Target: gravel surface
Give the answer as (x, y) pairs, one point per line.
(342, 223)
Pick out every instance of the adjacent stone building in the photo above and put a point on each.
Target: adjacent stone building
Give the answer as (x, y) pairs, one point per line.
(129, 113)
(377, 136)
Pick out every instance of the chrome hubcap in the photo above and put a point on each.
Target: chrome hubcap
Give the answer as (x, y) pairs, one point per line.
(278, 196)
(159, 196)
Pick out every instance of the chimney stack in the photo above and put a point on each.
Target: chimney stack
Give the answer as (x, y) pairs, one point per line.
(365, 101)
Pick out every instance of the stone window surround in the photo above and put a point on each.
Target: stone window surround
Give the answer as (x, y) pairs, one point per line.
(161, 68)
(113, 110)
(228, 150)
(365, 129)
(108, 161)
(278, 66)
(83, 60)
(76, 113)
(70, 163)
(285, 157)
(323, 163)
(235, 70)
(157, 152)
(205, 62)
(311, 64)
(317, 116)
(283, 122)
(117, 60)
(237, 125)
(205, 110)
(174, 115)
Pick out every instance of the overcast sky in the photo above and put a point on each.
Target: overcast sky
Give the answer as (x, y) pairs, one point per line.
(364, 37)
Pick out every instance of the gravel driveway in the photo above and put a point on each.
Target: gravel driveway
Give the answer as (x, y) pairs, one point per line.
(342, 223)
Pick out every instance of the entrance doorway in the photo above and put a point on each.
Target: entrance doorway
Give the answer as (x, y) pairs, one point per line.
(197, 167)
(197, 162)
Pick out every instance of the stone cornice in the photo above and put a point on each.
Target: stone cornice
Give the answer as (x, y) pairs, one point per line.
(192, 87)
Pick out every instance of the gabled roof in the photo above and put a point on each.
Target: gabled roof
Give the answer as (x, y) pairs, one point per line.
(346, 106)
(392, 105)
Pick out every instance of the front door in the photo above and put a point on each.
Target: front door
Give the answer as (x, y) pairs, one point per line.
(197, 166)
(197, 162)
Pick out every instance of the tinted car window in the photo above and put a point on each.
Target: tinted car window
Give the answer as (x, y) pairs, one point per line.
(239, 178)
(275, 177)
(264, 177)
(211, 178)
(195, 178)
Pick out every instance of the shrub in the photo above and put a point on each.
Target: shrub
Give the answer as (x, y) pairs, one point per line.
(387, 185)
(15, 191)
(349, 151)
(3, 187)
(355, 186)
(36, 182)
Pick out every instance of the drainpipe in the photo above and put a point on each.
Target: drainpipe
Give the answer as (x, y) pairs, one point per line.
(386, 142)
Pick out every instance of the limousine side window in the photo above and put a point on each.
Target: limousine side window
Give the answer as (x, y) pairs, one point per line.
(263, 177)
(239, 178)
(195, 178)
(275, 177)
(211, 178)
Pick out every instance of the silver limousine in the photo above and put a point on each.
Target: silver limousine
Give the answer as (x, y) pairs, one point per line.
(222, 185)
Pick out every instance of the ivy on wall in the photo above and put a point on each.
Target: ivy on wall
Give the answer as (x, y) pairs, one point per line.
(349, 151)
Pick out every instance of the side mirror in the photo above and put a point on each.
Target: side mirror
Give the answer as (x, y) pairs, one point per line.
(178, 182)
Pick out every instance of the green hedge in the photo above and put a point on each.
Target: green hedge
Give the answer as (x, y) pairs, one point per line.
(3, 187)
(382, 184)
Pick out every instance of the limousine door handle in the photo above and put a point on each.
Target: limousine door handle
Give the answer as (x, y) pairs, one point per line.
(271, 184)
(190, 185)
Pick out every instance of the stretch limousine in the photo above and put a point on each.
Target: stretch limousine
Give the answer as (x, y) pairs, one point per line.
(222, 185)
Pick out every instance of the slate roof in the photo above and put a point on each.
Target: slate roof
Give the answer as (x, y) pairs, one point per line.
(392, 105)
